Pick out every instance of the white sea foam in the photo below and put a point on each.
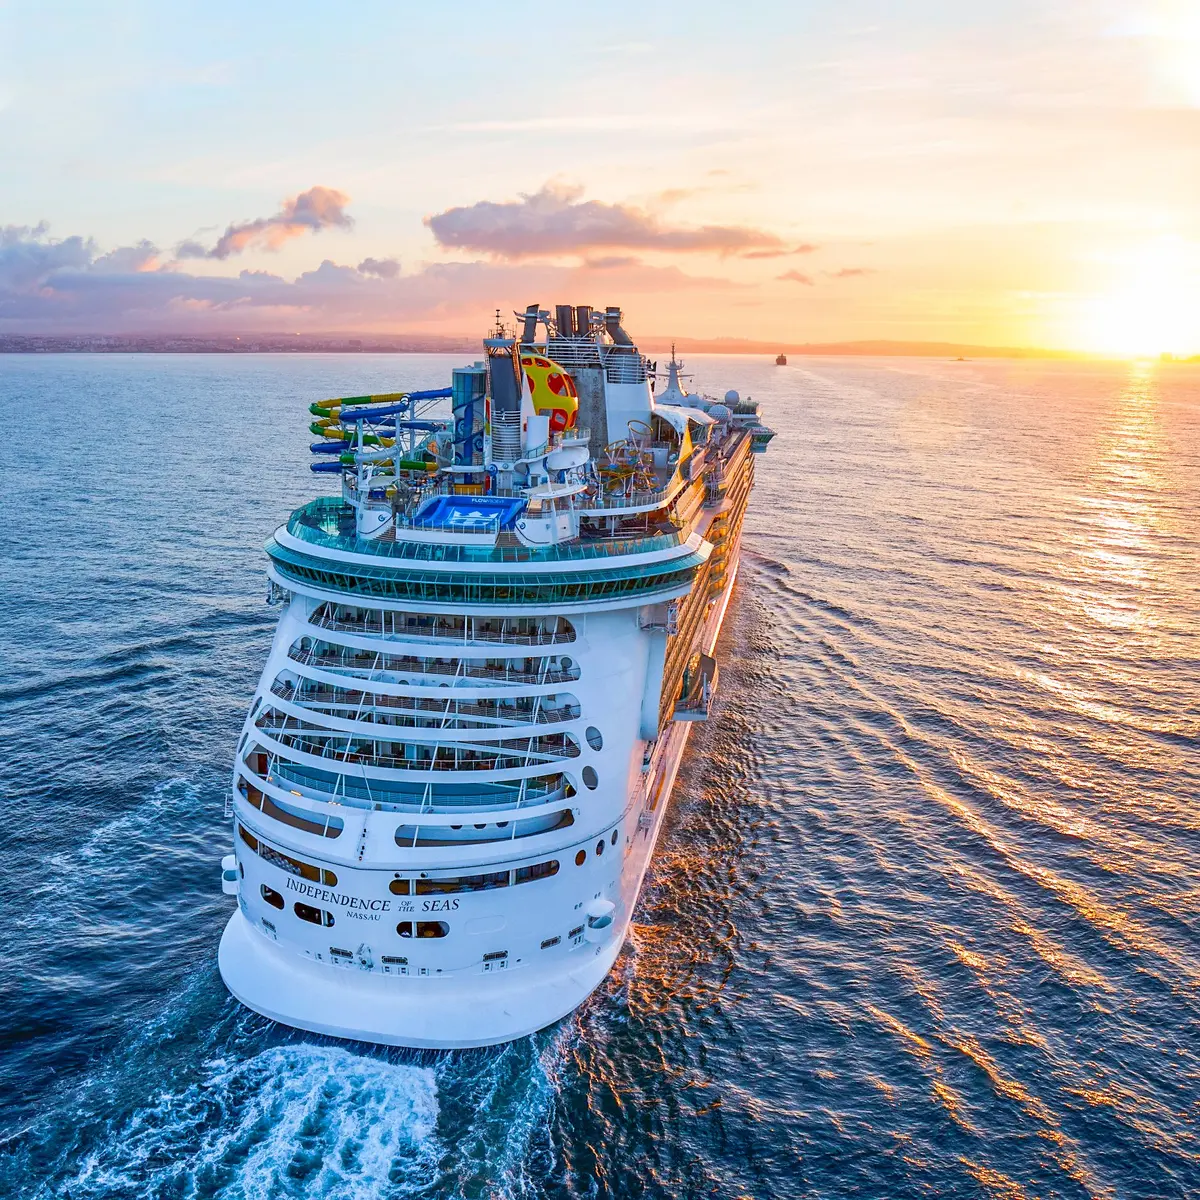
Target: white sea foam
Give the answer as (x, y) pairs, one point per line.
(299, 1120)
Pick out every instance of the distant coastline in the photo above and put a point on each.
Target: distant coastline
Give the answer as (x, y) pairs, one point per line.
(342, 343)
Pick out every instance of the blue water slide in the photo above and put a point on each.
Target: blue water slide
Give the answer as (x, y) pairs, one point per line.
(354, 415)
(326, 468)
(435, 394)
(329, 447)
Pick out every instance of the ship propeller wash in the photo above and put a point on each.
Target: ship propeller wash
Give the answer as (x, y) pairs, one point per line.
(493, 645)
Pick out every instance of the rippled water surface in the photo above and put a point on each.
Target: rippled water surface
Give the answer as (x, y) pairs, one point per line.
(925, 920)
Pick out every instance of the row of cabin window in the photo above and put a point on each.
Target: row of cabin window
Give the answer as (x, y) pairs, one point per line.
(318, 916)
(473, 883)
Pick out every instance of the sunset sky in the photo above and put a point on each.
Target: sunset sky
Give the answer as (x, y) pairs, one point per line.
(1009, 173)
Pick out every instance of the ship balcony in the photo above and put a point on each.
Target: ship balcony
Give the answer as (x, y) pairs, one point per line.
(334, 748)
(423, 823)
(358, 663)
(291, 718)
(698, 689)
(286, 781)
(402, 626)
(427, 713)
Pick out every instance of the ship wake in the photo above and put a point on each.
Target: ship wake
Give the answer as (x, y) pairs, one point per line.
(297, 1120)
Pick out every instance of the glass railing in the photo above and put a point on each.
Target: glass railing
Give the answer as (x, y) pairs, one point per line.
(344, 789)
(322, 522)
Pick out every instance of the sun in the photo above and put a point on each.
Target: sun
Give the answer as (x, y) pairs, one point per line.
(1155, 309)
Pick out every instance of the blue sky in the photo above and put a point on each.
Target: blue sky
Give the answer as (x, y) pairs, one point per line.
(982, 171)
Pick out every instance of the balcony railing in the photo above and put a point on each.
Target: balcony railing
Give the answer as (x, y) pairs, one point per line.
(421, 797)
(400, 627)
(463, 669)
(449, 714)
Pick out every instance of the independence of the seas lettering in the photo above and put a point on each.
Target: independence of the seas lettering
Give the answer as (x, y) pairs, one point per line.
(364, 909)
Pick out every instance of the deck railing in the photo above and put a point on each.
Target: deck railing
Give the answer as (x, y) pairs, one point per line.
(369, 660)
(440, 630)
(328, 522)
(424, 797)
(436, 713)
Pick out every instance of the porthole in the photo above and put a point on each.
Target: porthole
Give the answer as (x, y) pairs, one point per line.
(599, 847)
(271, 896)
(593, 738)
(613, 839)
(590, 778)
(399, 887)
(580, 857)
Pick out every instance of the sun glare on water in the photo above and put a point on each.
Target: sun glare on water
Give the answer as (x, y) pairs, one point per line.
(1154, 310)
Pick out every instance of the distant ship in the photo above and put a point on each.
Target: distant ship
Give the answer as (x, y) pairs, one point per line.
(781, 360)
(495, 641)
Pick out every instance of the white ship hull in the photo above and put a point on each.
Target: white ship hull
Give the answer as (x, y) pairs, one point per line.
(444, 1012)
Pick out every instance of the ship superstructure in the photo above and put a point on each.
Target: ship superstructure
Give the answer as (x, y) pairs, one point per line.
(493, 645)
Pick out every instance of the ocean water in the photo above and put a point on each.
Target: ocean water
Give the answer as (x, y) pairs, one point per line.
(925, 918)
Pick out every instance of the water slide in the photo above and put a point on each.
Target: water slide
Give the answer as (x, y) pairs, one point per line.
(340, 422)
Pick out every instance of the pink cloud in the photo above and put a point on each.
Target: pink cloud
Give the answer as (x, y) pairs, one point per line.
(309, 212)
(556, 221)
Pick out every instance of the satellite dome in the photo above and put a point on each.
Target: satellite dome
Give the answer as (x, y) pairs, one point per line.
(731, 397)
(720, 412)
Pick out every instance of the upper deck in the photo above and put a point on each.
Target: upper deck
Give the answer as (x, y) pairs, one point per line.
(513, 499)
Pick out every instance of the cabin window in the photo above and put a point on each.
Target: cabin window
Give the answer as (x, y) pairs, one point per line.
(613, 839)
(590, 778)
(285, 862)
(551, 942)
(271, 896)
(399, 887)
(423, 929)
(462, 883)
(580, 858)
(576, 932)
(593, 738)
(314, 916)
(599, 847)
(537, 871)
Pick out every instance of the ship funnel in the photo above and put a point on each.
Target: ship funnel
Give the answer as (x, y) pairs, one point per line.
(612, 323)
(583, 319)
(564, 318)
(529, 333)
(504, 387)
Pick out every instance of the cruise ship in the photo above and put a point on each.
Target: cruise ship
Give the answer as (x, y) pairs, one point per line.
(492, 647)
